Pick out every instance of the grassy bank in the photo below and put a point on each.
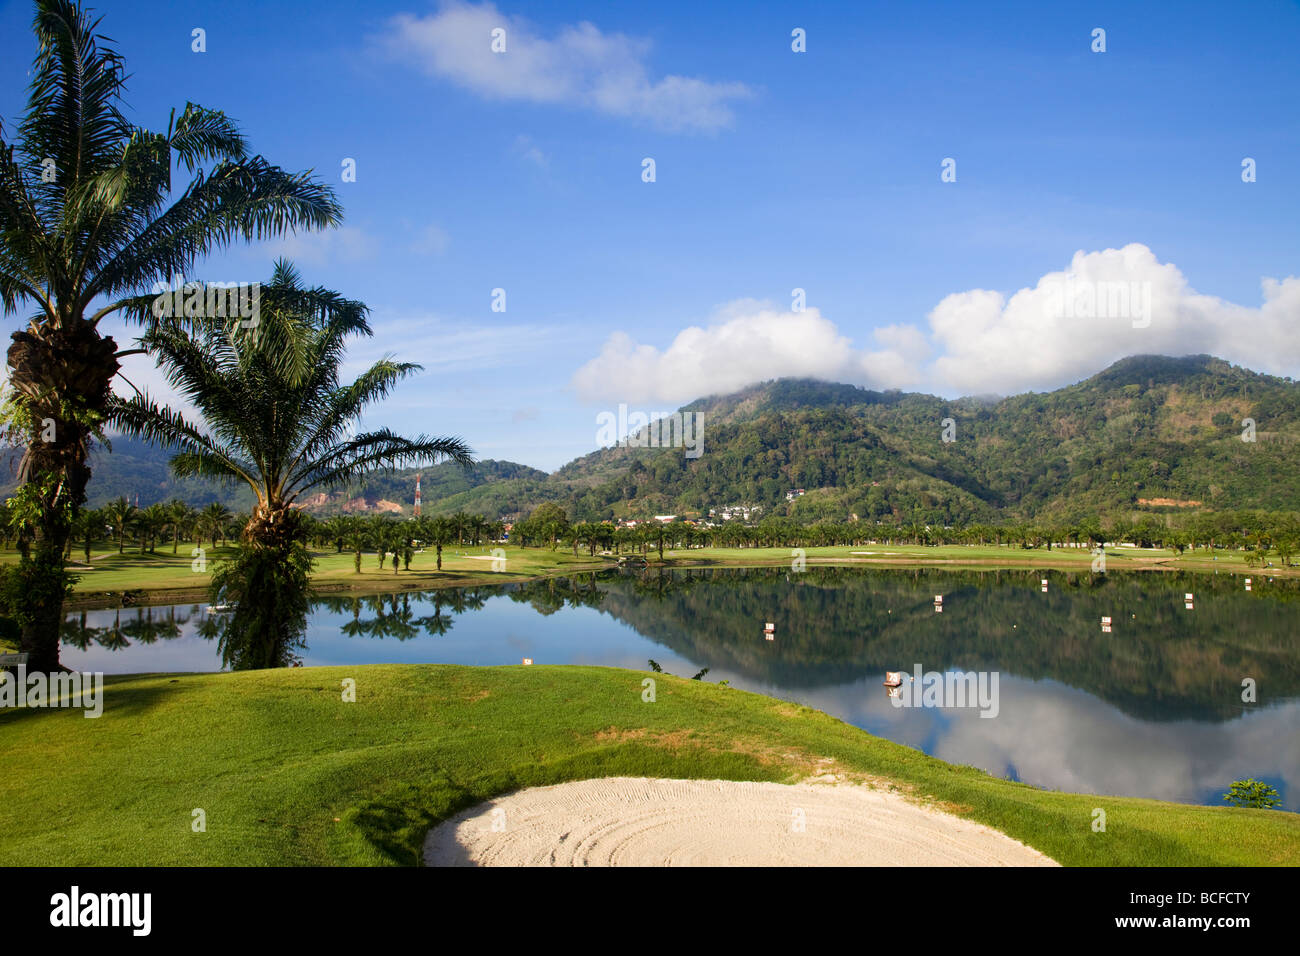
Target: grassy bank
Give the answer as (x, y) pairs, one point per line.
(161, 577)
(288, 773)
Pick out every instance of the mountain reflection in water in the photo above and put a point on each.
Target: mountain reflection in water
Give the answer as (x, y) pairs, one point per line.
(1153, 708)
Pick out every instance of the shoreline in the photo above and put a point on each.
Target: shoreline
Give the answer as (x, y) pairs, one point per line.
(407, 581)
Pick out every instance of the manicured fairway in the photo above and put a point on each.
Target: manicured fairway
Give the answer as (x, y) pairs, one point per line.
(287, 772)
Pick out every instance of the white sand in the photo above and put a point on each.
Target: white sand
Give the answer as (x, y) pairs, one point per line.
(626, 821)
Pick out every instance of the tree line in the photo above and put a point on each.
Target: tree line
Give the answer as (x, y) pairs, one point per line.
(1261, 534)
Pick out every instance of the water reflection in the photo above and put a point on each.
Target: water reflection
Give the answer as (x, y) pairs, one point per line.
(1153, 708)
(129, 626)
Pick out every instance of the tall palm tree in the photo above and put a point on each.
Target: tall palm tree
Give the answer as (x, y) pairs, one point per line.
(154, 520)
(357, 533)
(276, 417)
(213, 521)
(178, 516)
(88, 526)
(90, 216)
(121, 515)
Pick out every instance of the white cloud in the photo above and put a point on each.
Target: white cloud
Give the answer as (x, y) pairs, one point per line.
(442, 345)
(527, 149)
(987, 342)
(579, 65)
(325, 247)
(747, 342)
(432, 240)
(1069, 325)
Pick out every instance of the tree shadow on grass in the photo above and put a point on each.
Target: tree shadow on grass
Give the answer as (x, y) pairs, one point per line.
(118, 701)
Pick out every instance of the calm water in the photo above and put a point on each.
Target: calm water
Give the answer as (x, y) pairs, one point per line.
(1152, 709)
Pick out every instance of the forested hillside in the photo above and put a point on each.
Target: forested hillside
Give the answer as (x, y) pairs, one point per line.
(1148, 434)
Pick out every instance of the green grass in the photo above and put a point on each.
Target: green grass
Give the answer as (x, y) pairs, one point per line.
(288, 773)
(159, 572)
(911, 555)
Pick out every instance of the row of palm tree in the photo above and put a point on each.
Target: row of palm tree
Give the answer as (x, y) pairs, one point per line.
(126, 209)
(1260, 535)
(386, 535)
(173, 521)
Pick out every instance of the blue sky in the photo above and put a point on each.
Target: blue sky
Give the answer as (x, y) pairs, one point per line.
(775, 170)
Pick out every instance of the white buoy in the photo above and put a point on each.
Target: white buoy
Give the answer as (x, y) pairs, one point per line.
(1247, 584)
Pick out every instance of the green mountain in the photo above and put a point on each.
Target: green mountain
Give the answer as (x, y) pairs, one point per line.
(1150, 433)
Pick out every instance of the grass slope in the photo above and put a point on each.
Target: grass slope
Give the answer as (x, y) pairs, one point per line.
(288, 773)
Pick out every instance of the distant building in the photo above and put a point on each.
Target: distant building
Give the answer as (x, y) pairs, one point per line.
(734, 512)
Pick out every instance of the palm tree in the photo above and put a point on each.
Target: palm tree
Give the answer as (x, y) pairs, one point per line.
(121, 515)
(213, 521)
(277, 418)
(90, 217)
(358, 534)
(152, 520)
(178, 516)
(435, 530)
(89, 524)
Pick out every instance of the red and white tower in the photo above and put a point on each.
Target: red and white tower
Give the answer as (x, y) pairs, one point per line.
(417, 495)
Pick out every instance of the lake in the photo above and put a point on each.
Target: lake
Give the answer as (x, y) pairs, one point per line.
(1154, 708)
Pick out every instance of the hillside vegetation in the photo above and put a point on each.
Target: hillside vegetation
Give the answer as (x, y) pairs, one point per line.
(1150, 433)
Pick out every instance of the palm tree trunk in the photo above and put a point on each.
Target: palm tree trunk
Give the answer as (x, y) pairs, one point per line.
(61, 375)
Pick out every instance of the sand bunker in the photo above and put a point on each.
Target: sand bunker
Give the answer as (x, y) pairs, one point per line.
(626, 821)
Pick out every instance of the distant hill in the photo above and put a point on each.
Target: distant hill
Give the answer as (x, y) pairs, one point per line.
(1149, 433)
(134, 468)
